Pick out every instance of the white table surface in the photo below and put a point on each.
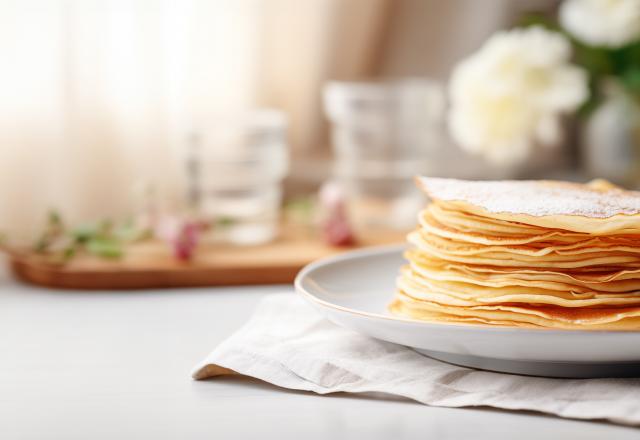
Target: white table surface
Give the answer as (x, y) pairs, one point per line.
(115, 365)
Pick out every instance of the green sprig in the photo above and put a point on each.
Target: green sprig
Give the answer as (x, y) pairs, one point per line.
(104, 239)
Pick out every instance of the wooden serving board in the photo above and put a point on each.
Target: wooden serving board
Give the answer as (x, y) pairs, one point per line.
(150, 264)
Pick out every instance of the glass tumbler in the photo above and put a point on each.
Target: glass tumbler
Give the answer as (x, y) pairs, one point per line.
(236, 166)
(383, 134)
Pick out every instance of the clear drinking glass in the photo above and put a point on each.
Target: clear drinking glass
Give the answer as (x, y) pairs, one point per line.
(383, 134)
(236, 166)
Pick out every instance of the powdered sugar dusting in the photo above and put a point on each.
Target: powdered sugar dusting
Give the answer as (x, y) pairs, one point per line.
(535, 197)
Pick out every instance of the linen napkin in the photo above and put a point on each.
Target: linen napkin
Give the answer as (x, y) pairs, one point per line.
(288, 344)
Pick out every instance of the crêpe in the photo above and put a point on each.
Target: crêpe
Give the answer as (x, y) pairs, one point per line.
(526, 254)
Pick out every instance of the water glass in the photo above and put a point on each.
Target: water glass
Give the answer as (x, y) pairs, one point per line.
(383, 134)
(236, 166)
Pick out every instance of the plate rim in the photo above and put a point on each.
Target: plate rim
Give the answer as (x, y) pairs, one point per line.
(374, 251)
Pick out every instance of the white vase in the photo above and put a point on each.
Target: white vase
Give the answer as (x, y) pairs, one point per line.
(611, 139)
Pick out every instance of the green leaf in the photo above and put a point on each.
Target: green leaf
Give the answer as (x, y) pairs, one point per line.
(126, 232)
(54, 218)
(538, 19)
(68, 253)
(53, 230)
(104, 247)
(304, 203)
(41, 244)
(631, 81)
(225, 221)
(627, 57)
(84, 233)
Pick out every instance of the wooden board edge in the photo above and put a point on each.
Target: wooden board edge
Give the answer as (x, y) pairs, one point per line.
(59, 278)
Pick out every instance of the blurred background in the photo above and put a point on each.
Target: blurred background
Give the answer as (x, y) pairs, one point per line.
(232, 110)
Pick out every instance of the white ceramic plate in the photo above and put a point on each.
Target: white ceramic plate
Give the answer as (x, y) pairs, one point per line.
(353, 290)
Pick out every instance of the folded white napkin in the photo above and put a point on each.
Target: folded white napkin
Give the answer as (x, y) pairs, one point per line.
(288, 344)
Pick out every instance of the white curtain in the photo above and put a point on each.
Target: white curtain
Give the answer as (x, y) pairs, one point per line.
(96, 96)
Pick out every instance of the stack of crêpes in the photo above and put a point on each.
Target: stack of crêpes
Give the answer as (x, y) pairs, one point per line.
(541, 254)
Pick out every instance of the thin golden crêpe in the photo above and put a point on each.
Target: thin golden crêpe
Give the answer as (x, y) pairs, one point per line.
(539, 254)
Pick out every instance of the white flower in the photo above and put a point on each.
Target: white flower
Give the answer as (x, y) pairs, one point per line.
(509, 96)
(610, 23)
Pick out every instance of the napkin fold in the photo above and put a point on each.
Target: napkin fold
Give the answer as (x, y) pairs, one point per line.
(288, 344)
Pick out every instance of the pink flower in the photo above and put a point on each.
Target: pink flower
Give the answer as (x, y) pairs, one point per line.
(181, 234)
(186, 242)
(335, 226)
